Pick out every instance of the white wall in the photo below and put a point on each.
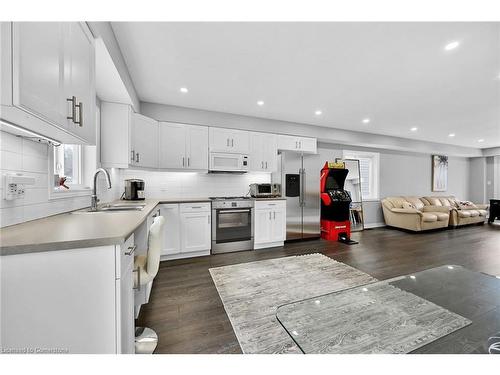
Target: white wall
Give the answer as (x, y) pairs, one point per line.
(168, 185)
(405, 173)
(18, 155)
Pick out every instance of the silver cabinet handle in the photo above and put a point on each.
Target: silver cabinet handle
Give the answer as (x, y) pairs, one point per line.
(261, 165)
(266, 164)
(137, 157)
(269, 215)
(138, 270)
(133, 155)
(131, 250)
(80, 114)
(183, 159)
(274, 215)
(300, 144)
(232, 142)
(73, 109)
(227, 142)
(208, 219)
(188, 161)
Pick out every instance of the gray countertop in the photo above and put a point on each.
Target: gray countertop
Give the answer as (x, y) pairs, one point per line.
(71, 231)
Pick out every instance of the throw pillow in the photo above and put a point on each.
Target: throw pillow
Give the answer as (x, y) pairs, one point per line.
(408, 206)
(465, 205)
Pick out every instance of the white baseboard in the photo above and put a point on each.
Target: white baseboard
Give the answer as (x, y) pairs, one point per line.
(374, 225)
(267, 245)
(185, 255)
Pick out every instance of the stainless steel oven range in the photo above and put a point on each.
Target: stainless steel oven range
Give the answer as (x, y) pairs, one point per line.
(232, 228)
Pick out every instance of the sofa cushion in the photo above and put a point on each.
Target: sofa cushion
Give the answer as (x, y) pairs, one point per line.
(429, 217)
(464, 214)
(473, 213)
(482, 212)
(394, 202)
(442, 216)
(415, 201)
(466, 205)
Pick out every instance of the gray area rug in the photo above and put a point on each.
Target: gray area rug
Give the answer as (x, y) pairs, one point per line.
(378, 318)
(252, 292)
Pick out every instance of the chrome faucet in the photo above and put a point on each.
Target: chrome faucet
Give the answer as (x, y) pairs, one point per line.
(93, 199)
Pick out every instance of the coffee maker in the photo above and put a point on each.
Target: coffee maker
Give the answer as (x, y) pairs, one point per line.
(134, 190)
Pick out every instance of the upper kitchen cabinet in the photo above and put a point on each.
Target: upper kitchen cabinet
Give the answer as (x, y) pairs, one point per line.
(263, 152)
(229, 140)
(144, 141)
(299, 144)
(183, 147)
(127, 139)
(48, 79)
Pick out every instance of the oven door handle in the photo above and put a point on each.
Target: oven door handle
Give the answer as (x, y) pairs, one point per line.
(233, 211)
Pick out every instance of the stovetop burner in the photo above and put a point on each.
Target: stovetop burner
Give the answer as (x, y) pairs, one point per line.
(226, 198)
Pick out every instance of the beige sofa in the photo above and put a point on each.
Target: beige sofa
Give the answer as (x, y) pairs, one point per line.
(421, 217)
(458, 216)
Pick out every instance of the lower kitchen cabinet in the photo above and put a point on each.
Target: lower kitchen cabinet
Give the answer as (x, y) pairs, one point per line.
(269, 223)
(187, 230)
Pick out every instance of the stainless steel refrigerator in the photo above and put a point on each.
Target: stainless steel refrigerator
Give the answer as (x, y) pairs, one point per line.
(299, 178)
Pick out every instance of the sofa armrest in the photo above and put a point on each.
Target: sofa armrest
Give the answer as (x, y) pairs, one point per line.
(444, 209)
(482, 206)
(406, 211)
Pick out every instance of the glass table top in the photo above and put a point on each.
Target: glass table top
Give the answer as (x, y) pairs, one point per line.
(447, 309)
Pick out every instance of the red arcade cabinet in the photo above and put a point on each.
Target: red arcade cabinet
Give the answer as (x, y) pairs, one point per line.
(335, 204)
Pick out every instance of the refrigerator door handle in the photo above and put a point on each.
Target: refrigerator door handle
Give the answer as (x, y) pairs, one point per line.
(301, 187)
(303, 191)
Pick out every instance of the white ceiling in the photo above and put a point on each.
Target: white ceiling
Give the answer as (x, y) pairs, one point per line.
(396, 74)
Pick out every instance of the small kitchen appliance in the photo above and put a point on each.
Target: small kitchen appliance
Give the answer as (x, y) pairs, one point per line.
(134, 190)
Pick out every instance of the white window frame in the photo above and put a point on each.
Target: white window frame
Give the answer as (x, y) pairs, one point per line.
(374, 171)
(75, 190)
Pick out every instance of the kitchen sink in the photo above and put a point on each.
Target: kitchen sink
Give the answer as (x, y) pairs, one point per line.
(116, 207)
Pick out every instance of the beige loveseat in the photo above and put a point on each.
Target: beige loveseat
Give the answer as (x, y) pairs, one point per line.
(397, 213)
(459, 215)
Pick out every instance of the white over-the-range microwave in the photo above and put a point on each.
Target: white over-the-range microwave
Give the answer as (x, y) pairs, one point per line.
(225, 162)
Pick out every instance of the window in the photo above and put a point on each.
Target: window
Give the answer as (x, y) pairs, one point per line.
(67, 164)
(369, 172)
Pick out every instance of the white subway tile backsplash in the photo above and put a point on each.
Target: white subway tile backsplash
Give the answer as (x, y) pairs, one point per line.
(37, 149)
(11, 161)
(9, 142)
(35, 164)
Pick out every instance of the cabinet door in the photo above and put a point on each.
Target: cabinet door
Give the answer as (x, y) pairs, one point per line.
(220, 140)
(278, 225)
(197, 147)
(38, 70)
(171, 239)
(263, 230)
(195, 231)
(256, 152)
(145, 141)
(308, 145)
(288, 142)
(79, 79)
(127, 333)
(240, 141)
(172, 145)
(269, 152)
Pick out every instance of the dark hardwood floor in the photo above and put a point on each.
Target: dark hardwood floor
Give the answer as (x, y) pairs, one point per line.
(187, 313)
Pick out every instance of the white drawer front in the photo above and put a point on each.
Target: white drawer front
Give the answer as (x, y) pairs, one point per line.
(195, 207)
(264, 205)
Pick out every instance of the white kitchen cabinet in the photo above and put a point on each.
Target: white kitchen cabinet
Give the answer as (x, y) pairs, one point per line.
(48, 79)
(127, 139)
(144, 141)
(269, 223)
(229, 140)
(125, 295)
(195, 227)
(183, 147)
(299, 144)
(171, 238)
(263, 152)
(187, 230)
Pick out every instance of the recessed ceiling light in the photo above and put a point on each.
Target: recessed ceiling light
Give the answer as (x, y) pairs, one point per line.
(452, 45)
(318, 112)
(414, 129)
(366, 121)
(260, 102)
(184, 90)
(480, 140)
(451, 135)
